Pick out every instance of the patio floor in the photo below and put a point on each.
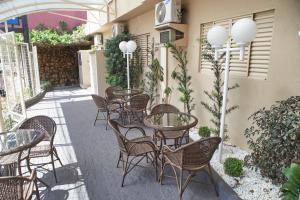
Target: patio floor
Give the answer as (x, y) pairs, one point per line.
(89, 155)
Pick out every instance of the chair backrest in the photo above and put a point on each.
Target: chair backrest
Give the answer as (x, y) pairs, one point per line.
(109, 92)
(200, 152)
(120, 137)
(41, 123)
(100, 102)
(139, 102)
(164, 108)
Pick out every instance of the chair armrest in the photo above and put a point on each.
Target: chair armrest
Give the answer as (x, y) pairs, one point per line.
(131, 127)
(136, 143)
(167, 149)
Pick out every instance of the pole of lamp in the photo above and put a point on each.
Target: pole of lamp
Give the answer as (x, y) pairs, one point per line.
(128, 76)
(2, 126)
(224, 101)
(6, 27)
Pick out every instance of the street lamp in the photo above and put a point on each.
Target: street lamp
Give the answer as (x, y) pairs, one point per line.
(242, 32)
(128, 48)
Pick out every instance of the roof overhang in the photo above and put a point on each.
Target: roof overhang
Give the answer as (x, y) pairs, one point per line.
(14, 8)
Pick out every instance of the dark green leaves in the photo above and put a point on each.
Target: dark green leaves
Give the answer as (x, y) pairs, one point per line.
(274, 137)
(291, 189)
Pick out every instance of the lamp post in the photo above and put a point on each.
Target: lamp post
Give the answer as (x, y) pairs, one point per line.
(242, 32)
(128, 48)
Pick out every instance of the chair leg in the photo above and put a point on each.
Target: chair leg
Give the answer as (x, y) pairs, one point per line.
(37, 193)
(163, 165)
(56, 155)
(53, 167)
(96, 118)
(125, 168)
(120, 156)
(180, 184)
(210, 174)
(107, 118)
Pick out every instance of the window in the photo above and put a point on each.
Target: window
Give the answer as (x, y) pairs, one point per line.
(257, 54)
(143, 46)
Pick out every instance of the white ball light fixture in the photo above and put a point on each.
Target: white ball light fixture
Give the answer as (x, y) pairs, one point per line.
(131, 46)
(243, 31)
(122, 46)
(216, 36)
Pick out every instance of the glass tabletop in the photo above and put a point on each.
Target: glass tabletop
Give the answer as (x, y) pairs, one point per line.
(16, 141)
(171, 121)
(127, 92)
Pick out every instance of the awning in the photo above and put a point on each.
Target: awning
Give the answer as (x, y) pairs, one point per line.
(14, 8)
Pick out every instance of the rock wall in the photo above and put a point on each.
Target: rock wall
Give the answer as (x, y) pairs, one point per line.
(59, 63)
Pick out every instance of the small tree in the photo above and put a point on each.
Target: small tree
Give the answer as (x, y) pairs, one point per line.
(153, 77)
(181, 75)
(216, 94)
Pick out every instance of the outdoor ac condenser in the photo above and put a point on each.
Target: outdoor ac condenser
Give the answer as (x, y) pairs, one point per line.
(117, 29)
(168, 11)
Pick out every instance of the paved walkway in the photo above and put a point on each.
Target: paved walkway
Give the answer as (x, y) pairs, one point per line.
(89, 155)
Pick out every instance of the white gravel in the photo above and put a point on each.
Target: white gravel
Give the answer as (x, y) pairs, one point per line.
(251, 185)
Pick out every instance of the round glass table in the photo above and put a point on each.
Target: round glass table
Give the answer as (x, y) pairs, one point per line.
(171, 121)
(127, 92)
(20, 140)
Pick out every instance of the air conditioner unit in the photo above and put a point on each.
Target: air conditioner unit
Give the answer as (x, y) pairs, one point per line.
(117, 29)
(170, 35)
(98, 39)
(168, 11)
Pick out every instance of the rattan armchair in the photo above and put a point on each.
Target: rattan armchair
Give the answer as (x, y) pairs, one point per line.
(111, 97)
(48, 126)
(136, 104)
(18, 187)
(191, 157)
(106, 108)
(130, 149)
(177, 136)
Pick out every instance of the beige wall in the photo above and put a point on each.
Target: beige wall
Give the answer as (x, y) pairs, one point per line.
(284, 69)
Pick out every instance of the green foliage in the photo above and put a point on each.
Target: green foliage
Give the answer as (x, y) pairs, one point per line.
(167, 92)
(116, 63)
(63, 26)
(42, 34)
(233, 167)
(182, 77)
(274, 137)
(204, 131)
(216, 94)
(46, 85)
(19, 37)
(153, 76)
(291, 189)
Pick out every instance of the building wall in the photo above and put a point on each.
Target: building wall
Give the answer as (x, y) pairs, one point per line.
(283, 75)
(51, 20)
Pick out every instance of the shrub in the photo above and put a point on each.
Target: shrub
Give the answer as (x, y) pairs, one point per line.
(46, 85)
(204, 131)
(274, 137)
(291, 189)
(233, 167)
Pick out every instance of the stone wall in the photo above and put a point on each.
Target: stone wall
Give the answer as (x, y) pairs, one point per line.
(59, 63)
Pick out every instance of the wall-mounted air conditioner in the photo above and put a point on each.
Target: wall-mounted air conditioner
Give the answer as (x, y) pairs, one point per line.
(117, 29)
(168, 11)
(98, 40)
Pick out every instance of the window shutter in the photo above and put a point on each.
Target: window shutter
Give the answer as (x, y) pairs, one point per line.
(143, 44)
(261, 46)
(257, 54)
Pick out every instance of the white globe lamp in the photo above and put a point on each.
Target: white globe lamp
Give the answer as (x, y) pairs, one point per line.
(122, 46)
(216, 36)
(131, 46)
(243, 31)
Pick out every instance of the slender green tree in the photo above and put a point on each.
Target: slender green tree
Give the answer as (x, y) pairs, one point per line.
(216, 94)
(180, 74)
(154, 75)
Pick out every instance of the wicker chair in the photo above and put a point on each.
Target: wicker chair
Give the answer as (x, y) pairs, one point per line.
(167, 135)
(191, 157)
(130, 149)
(48, 126)
(136, 104)
(104, 106)
(18, 187)
(109, 92)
